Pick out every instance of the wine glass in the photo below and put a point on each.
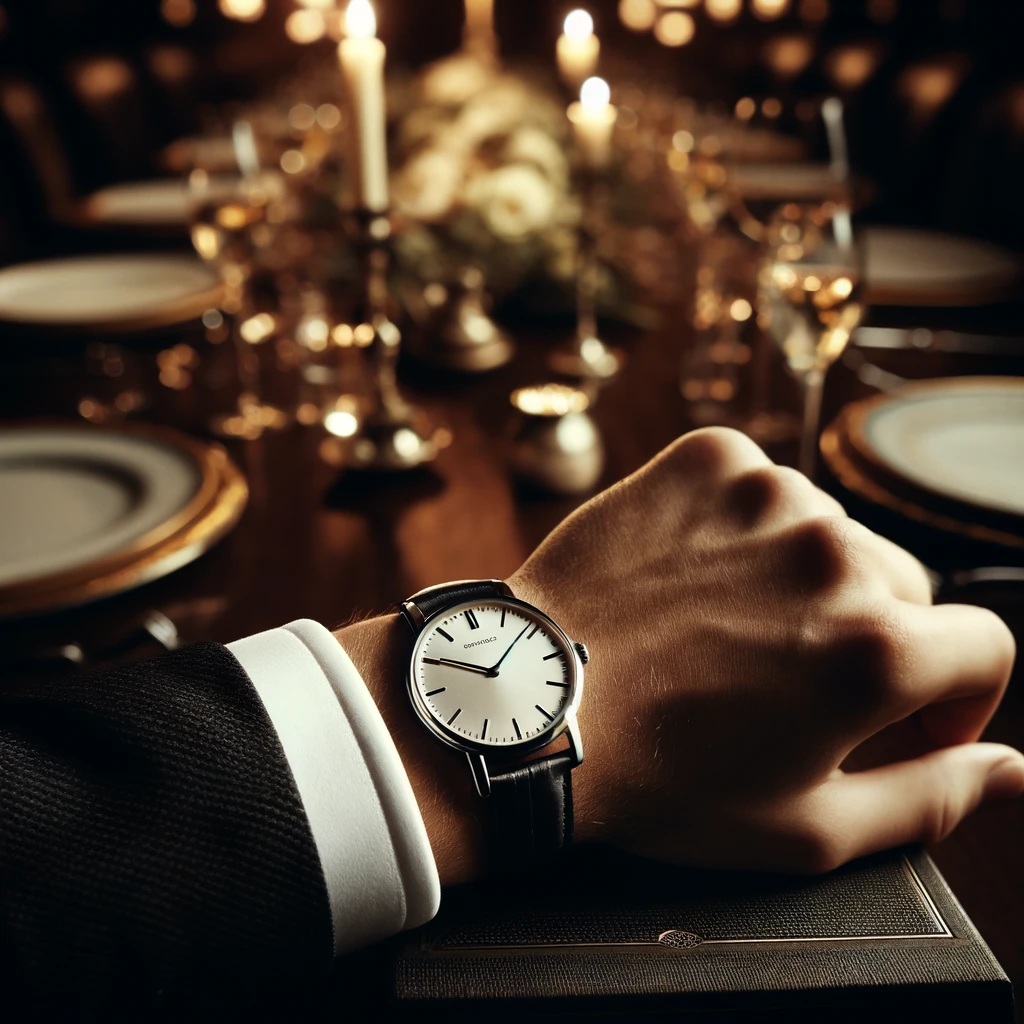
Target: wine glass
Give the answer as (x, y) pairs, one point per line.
(233, 219)
(809, 301)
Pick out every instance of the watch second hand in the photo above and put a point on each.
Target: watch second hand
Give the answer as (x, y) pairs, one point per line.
(493, 670)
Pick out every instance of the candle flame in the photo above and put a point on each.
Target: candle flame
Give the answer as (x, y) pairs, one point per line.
(594, 95)
(360, 21)
(578, 25)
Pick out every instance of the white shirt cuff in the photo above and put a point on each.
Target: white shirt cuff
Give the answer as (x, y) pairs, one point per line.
(369, 834)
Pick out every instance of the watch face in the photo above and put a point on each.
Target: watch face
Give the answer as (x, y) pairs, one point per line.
(494, 673)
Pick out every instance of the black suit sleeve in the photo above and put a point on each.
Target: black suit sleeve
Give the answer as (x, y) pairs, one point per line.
(154, 853)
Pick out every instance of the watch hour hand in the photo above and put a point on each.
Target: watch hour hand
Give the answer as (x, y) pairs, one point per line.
(493, 670)
(482, 669)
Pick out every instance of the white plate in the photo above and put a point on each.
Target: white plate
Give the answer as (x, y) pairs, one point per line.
(909, 266)
(70, 497)
(139, 204)
(114, 292)
(956, 438)
(162, 203)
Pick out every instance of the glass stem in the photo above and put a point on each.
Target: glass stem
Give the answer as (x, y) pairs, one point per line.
(814, 387)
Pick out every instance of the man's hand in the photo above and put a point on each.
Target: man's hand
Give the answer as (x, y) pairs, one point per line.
(747, 638)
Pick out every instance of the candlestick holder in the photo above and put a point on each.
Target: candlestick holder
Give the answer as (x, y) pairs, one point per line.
(588, 357)
(391, 434)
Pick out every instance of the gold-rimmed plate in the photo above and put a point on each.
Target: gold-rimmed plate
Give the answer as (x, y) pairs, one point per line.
(115, 293)
(87, 512)
(947, 452)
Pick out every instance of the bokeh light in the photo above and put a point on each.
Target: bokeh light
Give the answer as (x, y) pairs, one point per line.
(674, 28)
(638, 15)
(243, 10)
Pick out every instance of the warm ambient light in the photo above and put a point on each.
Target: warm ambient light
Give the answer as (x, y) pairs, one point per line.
(243, 10)
(594, 95)
(360, 21)
(578, 25)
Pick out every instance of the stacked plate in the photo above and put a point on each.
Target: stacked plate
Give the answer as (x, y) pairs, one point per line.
(87, 512)
(948, 452)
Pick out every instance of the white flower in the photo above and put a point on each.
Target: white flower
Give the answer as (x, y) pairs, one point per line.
(428, 185)
(531, 145)
(497, 110)
(454, 80)
(514, 201)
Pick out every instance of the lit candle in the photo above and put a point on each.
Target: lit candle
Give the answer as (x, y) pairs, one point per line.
(362, 63)
(478, 33)
(577, 49)
(593, 118)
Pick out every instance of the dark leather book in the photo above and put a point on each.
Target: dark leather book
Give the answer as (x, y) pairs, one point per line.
(604, 936)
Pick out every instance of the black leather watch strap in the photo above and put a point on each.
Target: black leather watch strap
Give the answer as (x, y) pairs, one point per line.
(434, 598)
(532, 810)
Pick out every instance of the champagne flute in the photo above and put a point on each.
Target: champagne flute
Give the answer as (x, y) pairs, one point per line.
(232, 220)
(809, 300)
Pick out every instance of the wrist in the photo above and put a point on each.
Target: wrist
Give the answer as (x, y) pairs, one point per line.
(592, 781)
(379, 649)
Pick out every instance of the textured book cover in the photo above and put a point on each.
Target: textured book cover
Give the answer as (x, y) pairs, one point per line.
(603, 936)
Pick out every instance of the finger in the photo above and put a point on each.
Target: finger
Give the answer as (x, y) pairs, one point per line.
(919, 801)
(904, 575)
(957, 668)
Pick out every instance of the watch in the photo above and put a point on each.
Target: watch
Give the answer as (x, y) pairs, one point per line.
(498, 680)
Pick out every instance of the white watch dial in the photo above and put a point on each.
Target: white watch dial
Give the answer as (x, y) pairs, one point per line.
(494, 673)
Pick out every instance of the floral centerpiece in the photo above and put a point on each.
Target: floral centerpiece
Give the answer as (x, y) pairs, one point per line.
(482, 178)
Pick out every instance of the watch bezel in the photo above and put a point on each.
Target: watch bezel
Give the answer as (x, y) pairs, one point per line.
(461, 743)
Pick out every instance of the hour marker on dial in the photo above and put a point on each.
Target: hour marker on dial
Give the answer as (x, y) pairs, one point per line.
(546, 714)
(447, 636)
(458, 712)
(564, 686)
(471, 619)
(440, 689)
(483, 731)
(515, 725)
(547, 657)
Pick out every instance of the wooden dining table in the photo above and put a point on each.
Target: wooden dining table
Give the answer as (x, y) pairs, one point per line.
(317, 543)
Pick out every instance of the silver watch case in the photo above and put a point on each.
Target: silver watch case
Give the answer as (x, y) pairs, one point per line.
(475, 751)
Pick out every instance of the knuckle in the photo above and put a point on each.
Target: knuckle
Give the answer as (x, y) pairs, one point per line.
(825, 553)
(871, 650)
(763, 494)
(711, 450)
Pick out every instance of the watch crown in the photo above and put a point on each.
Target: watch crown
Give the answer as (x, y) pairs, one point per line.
(581, 650)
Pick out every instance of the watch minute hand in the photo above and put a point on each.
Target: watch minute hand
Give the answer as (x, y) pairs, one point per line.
(493, 670)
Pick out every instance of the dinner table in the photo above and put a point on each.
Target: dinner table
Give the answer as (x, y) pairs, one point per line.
(333, 546)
